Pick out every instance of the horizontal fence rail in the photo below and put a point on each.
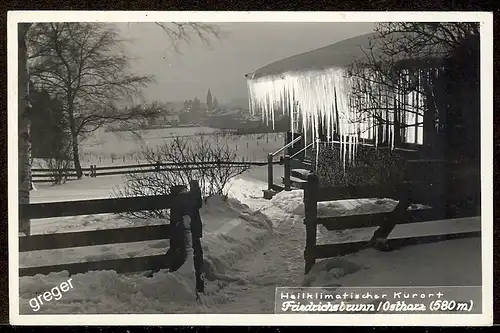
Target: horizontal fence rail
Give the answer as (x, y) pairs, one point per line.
(97, 206)
(47, 175)
(340, 249)
(125, 265)
(93, 238)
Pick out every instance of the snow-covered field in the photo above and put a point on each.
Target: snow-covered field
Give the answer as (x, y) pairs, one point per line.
(118, 148)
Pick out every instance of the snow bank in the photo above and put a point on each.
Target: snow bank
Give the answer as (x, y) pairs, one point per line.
(108, 292)
(249, 190)
(231, 230)
(416, 265)
(293, 202)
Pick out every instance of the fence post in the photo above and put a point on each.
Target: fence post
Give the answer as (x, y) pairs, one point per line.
(310, 220)
(287, 168)
(270, 171)
(157, 167)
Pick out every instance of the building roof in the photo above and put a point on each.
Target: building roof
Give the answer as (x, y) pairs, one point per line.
(337, 55)
(340, 54)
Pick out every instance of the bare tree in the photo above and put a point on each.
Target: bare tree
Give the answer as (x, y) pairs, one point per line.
(83, 65)
(400, 75)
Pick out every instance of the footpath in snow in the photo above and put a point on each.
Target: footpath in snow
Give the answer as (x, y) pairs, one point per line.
(251, 247)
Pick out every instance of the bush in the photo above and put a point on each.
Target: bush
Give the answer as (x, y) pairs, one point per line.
(189, 154)
(59, 167)
(370, 166)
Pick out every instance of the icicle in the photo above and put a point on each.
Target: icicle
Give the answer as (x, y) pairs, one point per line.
(317, 95)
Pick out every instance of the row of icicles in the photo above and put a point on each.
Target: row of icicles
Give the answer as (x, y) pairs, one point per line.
(319, 95)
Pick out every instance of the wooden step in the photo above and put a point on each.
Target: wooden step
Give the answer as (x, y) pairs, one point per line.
(296, 182)
(300, 173)
(308, 164)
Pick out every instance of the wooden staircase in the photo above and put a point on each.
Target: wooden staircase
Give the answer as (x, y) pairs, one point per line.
(297, 166)
(298, 176)
(299, 170)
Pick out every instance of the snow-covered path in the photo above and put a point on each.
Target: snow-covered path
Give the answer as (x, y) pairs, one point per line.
(279, 263)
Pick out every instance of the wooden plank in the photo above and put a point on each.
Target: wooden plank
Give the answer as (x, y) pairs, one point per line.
(179, 164)
(199, 167)
(57, 170)
(49, 180)
(378, 219)
(270, 178)
(139, 170)
(98, 206)
(125, 265)
(310, 214)
(341, 249)
(48, 175)
(374, 219)
(94, 237)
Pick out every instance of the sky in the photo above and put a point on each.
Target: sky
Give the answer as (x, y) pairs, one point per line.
(243, 48)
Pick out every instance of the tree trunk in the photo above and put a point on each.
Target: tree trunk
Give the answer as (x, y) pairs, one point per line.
(74, 142)
(76, 155)
(24, 166)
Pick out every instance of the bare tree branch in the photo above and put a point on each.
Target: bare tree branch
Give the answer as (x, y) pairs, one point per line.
(186, 32)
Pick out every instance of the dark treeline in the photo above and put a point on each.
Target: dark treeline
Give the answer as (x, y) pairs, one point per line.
(49, 138)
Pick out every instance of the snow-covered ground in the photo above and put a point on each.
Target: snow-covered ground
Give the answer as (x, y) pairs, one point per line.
(252, 246)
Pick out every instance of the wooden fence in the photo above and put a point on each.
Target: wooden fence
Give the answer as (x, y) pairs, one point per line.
(101, 237)
(419, 191)
(48, 175)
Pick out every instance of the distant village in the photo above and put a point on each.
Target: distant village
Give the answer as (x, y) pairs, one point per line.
(233, 116)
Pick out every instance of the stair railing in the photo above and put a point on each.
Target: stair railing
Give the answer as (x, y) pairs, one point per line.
(270, 158)
(303, 149)
(288, 169)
